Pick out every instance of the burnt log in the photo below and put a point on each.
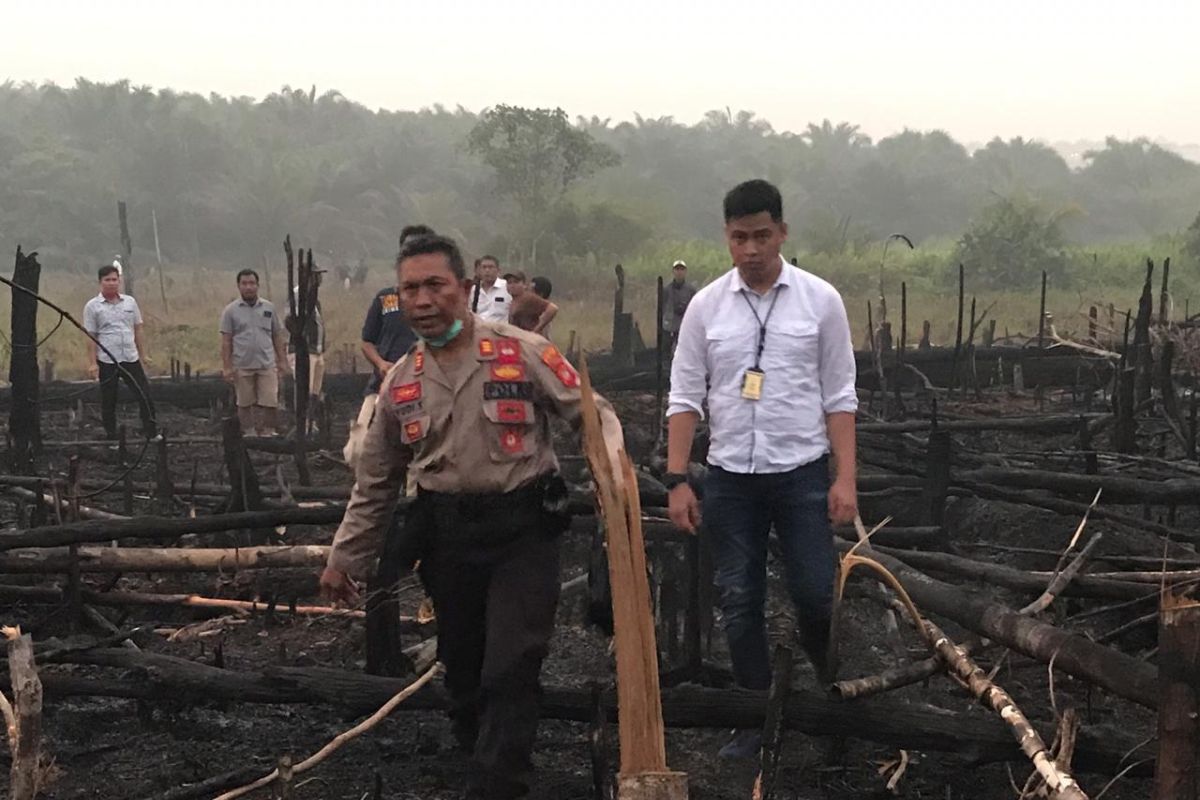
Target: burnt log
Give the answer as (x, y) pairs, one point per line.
(1109, 669)
(885, 720)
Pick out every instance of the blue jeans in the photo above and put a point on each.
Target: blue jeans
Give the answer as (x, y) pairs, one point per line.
(739, 511)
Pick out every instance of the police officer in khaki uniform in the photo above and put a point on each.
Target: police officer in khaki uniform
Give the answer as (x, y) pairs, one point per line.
(468, 411)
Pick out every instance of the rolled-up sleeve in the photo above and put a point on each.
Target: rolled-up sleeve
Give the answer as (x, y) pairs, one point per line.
(378, 477)
(838, 370)
(91, 322)
(689, 366)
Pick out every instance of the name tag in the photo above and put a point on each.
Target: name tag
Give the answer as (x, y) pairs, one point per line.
(752, 384)
(508, 390)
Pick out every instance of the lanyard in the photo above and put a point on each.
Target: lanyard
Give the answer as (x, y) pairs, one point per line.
(762, 323)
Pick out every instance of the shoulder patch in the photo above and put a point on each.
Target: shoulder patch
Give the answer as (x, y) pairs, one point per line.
(389, 302)
(406, 393)
(508, 351)
(567, 375)
(418, 361)
(552, 358)
(487, 349)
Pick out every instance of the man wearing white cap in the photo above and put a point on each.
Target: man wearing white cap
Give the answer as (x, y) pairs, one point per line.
(676, 296)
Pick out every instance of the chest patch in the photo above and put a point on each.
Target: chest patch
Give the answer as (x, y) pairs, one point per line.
(406, 393)
(508, 372)
(508, 390)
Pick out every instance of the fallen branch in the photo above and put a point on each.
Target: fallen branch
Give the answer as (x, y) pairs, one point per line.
(1058, 779)
(336, 742)
(159, 559)
(1111, 669)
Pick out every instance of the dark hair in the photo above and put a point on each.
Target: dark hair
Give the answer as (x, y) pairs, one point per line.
(246, 272)
(409, 231)
(541, 287)
(753, 197)
(107, 269)
(492, 259)
(433, 243)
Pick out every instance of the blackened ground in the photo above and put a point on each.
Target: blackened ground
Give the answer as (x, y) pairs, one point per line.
(111, 749)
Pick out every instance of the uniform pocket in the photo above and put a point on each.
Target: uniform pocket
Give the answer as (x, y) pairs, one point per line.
(512, 436)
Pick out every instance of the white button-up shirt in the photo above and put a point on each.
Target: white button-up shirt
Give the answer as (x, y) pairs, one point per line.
(495, 302)
(112, 324)
(807, 361)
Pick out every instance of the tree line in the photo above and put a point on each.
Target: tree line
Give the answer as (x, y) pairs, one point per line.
(227, 177)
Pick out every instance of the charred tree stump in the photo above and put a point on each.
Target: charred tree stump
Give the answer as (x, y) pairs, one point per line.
(1142, 353)
(958, 332)
(164, 490)
(126, 247)
(772, 741)
(302, 300)
(924, 343)
(937, 478)
(385, 650)
(1090, 459)
(25, 726)
(1176, 776)
(24, 423)
(245, 493)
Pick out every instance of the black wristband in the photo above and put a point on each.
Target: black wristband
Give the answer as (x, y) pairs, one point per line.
(673, 479)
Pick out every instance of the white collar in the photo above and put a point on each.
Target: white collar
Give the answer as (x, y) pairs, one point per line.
(736, 284)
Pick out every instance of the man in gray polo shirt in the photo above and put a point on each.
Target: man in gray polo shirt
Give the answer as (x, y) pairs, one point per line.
(116, 321)
(252, 356)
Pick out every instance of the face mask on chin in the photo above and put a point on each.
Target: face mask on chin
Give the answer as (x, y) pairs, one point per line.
(446, 337)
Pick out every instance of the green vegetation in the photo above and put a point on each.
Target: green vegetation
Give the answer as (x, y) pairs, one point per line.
(227, 178)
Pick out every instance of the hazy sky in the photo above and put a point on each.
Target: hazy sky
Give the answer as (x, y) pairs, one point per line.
(1052, 69)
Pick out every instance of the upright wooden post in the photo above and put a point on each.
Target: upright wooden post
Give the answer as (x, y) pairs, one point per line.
(1164, 297)
(24, 422)
(1143, 354)
(658, 364)
(1042, 314)
(1092, 325)
(164, 489)
(302, 299)
(26, 774)
(644, 774)
(127, 480)
(1175, 773)
(958, 331)
(126, 246)
(937, 478)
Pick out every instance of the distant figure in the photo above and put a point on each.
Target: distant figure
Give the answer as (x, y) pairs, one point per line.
(530, 311)
(676, 296)
(489, 297)
(252, 356)
(116, 320)
(314, 334)
(386, 337)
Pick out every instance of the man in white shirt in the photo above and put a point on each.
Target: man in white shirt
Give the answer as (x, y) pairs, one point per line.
(116, 321)
(768, 346)
(489, 297)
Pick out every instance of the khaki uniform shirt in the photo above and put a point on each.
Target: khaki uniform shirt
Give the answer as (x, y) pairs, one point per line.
(483, 429)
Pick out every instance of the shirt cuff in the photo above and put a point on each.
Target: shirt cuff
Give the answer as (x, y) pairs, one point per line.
(846, 403)
(681, 405)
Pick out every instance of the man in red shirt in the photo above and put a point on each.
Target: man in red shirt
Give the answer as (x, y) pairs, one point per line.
(529, 311)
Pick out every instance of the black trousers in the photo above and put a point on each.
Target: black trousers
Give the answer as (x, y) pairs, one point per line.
(493, 573)
(109, 376)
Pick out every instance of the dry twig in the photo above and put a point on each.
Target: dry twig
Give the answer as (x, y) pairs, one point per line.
(342, 738)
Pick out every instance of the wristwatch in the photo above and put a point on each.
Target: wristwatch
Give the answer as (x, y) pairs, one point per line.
(673, 479)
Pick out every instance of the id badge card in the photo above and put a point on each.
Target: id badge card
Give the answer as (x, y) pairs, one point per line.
(752, 384)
